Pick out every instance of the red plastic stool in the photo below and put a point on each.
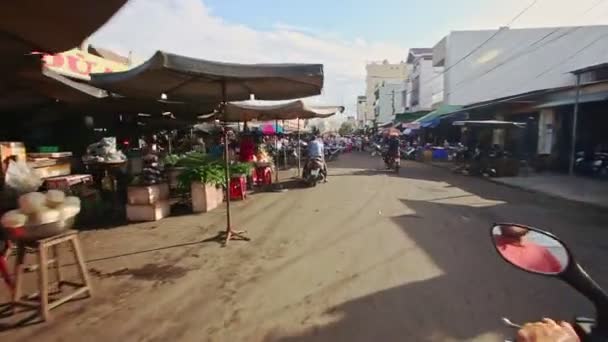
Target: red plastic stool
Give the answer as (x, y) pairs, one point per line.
(266, 175)
(238, 188)
(4, 266)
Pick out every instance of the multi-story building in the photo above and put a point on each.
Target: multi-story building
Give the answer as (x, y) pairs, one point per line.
(424, 82)
(361, 107)
(490, 64)
(377, 74)
(388, 100)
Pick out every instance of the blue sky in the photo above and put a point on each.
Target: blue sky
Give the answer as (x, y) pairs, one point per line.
(395, 21)
(343, 35)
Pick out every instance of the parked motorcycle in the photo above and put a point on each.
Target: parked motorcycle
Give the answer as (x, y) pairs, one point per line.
(332, 152)
(313, 172)
(377, 150)
(594, 165)
(540, 252)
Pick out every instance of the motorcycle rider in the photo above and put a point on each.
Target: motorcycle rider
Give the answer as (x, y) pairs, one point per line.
(392, 143)
(316, 149)
(547, 331)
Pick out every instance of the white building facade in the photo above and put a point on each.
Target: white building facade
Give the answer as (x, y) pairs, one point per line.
(424, 82)
(492, 64)
(377, 74)
(389, 100)
(361, 107)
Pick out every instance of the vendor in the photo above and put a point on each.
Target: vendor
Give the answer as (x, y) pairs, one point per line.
(217, 149)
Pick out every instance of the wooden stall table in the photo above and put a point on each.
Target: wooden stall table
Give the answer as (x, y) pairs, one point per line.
(64, 183)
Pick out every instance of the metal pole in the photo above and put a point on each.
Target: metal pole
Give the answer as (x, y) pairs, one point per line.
(393, 103)
(284, 148)
(299, 151)
(574, 124)
(226, 164)
(276, 149)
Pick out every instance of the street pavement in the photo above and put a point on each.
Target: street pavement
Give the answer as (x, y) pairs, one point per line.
(369, 256)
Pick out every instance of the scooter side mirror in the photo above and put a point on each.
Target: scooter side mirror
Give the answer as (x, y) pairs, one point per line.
(540, 252)
(531, 250)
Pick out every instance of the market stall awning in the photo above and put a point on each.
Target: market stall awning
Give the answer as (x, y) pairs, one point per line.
(121, 105)
(410, 116)
(193, 80)
(53, 85)
(50, 26)
(489, 124)
(286, 111)
(432, 119)
(32, 85)
(570, 100)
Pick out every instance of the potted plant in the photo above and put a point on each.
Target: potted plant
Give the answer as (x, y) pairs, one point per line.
(172, 169)
(240, 169)
(206, 182)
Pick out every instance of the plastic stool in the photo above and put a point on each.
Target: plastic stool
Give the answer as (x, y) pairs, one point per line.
(238, 188)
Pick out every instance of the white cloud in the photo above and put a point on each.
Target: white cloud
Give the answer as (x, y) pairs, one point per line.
(189, 27)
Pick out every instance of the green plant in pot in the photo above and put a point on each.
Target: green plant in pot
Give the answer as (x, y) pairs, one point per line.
(171, 160)
(211, 173)
(241, 169)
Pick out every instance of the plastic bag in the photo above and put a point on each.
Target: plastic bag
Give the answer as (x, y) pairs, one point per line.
(21, 177)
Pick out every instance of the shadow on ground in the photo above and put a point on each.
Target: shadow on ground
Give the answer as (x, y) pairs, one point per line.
(476, 288)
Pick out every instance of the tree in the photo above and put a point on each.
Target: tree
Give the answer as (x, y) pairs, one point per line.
(346, 128)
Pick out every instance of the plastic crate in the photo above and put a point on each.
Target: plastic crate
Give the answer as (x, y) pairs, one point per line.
(48, 149)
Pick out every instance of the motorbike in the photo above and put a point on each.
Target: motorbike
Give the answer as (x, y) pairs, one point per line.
(593, 165)
(313, 172)
(392, 162)
(545, 254)
(332, 152)
(409, 153)
(377, 150)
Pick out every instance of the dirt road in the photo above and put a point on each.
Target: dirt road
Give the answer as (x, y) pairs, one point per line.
(370, 256)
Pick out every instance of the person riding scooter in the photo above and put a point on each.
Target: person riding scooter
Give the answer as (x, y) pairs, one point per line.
(393, 147)
(316, 151)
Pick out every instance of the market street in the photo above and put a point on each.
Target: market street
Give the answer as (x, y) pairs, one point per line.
(367, 257)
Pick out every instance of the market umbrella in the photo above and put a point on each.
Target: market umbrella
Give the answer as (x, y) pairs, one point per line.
(50, 26)
(245, 111)
(188, 79)
(391, 132)
(271, 129)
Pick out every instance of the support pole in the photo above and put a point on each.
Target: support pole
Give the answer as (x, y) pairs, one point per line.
(299, 151)
(276, 148)
(574, 125)
(230, 234)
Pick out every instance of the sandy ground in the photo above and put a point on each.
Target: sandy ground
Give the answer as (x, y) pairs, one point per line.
(370, 256)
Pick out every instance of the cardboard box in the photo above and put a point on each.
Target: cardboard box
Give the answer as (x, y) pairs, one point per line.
(142, 195)
(149, 212)
(63, 169)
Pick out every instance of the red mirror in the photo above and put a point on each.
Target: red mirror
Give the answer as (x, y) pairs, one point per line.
(530, 249)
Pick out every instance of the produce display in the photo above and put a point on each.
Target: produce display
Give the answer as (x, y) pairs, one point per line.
(152, 172)
(104, 151)
(261, 156)
(37, 208)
